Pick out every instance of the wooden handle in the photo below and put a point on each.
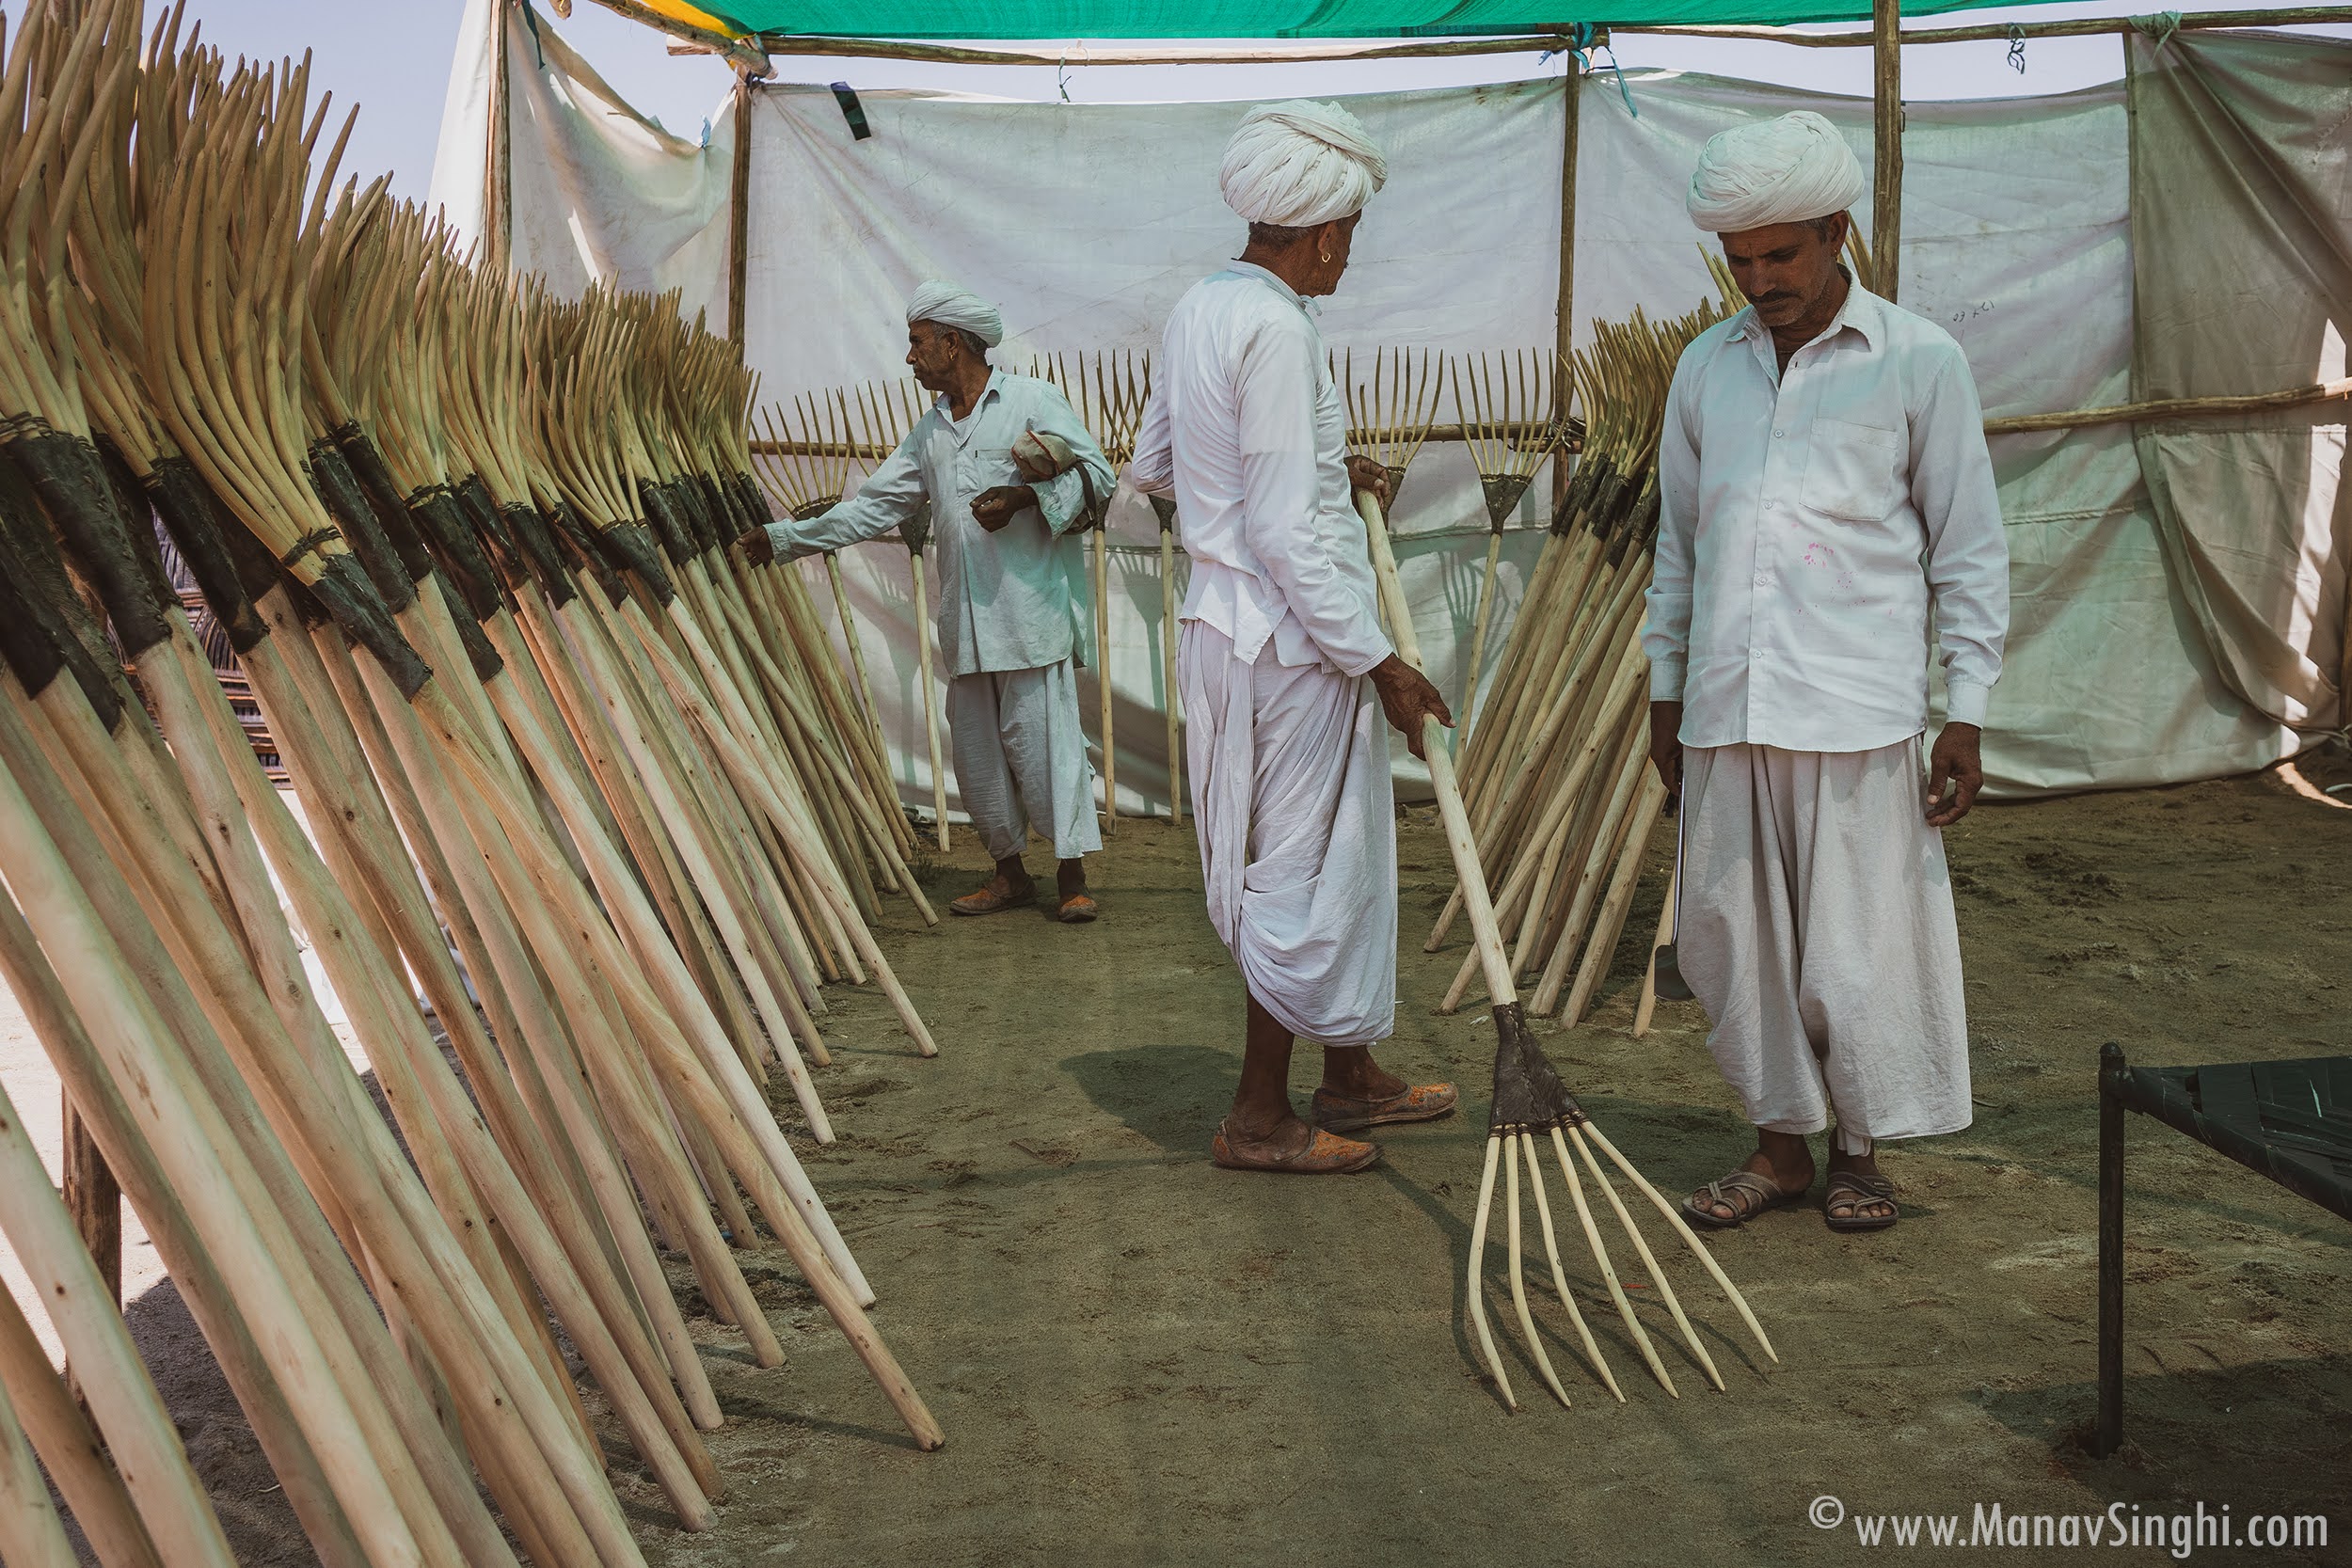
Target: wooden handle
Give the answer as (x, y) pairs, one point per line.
(1492, 959)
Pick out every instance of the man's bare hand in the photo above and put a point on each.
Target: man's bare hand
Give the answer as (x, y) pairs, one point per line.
(1409, 701)
(1957, 764)
(756, 547)
(1665, 749)
(994, 509)
(1364, 474)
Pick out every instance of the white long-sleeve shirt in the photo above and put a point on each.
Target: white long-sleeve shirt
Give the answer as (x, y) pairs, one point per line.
(1804, 520)
(1247, 431)
(1006, 600)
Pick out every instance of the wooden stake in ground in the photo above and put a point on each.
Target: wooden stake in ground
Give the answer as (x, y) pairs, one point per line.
(806, 467)
(892, 412)
(1110, 399)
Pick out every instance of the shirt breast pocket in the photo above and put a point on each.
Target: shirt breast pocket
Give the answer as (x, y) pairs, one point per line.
(1854, 472)
(986, 468)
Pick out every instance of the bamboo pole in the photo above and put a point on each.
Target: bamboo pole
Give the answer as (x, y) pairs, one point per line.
(497, 207)
(930, 702)
(2155, 409)
(1887, 119)
(1984, 31)
(739, 210)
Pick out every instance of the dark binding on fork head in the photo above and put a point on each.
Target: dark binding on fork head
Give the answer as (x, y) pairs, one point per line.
(1527, 1095)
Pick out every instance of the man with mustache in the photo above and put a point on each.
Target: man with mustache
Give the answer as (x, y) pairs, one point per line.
(1005, 503)
(1827, 511)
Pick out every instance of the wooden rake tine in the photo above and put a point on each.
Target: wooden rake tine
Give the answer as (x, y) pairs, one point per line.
(1477, 1258)
(1608, 1271)
(1658, 1276)
(1559, 1276)
(1682, 1228)
(1518, 1274)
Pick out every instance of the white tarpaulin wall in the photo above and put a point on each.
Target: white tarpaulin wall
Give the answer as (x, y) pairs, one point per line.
(1086, 222)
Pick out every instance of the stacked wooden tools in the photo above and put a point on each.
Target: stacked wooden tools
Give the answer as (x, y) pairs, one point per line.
(1529, 1100)
(559, 752)
(1555, 777)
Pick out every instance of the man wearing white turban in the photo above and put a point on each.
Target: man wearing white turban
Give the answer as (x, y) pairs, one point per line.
(1282, 660)
(1011, 620)
(1826, 510)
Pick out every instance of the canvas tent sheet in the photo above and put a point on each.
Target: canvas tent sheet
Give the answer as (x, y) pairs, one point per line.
(1235, 18)
(1086, 223)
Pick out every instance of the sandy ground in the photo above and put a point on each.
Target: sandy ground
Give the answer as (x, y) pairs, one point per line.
(1142, 1359)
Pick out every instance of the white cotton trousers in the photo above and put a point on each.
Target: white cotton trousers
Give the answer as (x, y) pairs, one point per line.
(1817, 930)
(1021, 759)
(1292, 802)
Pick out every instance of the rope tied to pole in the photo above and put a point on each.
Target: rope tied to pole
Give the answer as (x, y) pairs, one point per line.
(1583, 40)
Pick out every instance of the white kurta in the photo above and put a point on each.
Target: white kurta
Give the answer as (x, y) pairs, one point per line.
(1286, 737)
(1247, 432)
(1815, 526)
(1007, 600)
(1818, 930)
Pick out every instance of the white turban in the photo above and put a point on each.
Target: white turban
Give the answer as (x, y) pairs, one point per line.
(1782, 170)
(959, 308)
(1299, 163)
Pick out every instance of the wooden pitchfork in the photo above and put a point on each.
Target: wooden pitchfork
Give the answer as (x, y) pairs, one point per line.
(886, 411)
(1109, 396)
(1529, 1097)
(1512, 424)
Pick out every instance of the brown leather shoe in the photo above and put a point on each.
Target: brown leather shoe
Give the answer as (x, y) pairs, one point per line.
(1321, 1155)
(988, 900)
(1418, 1102)
(1077, 909)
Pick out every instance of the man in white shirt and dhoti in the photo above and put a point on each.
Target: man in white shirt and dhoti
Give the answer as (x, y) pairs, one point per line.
(1827, 512)
(1010, 622)
(1284, 670)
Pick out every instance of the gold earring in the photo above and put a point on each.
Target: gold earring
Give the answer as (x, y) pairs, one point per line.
(1326, 255)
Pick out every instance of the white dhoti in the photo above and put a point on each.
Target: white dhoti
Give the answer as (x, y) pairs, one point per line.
(1818, 930)
(1021, 759)
(1297, 825)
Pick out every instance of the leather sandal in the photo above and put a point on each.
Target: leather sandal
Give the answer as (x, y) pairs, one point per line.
(1856, 1190)
(989, 901)
(1077, 909)
(1745, 1193)
(1321, 1155)
(1418, 1102)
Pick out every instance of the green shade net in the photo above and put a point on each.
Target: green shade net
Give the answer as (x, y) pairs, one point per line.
(1253, 18)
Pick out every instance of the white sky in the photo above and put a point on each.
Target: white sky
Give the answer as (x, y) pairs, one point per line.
(397, 67)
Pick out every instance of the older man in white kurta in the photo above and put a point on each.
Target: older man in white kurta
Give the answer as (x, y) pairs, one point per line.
(1011, 625)
(1827, 508)
(1284, 669)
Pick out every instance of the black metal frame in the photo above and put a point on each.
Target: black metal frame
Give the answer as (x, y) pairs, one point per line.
(2308, 1154)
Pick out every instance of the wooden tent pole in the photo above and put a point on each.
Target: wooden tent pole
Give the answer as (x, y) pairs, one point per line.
(739, 210)
(1563, 331)
(1886, 168)
(2077, 26)
(499, 177)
